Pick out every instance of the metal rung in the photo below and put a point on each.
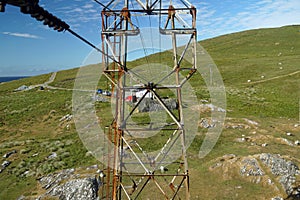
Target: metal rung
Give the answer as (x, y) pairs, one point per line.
(116, 70)
(122, 32)
(177, 31)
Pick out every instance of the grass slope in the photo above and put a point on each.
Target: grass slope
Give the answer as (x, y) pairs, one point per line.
(30, 121)
(260, 55)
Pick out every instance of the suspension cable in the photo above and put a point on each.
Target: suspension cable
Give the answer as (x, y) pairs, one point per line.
(151, 33)
(102, 4)
(141, 37)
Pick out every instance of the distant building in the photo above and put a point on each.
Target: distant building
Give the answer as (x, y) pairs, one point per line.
(141, 93)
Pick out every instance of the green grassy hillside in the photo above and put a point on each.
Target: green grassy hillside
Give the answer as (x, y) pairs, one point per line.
(267, 57)
(261, 73)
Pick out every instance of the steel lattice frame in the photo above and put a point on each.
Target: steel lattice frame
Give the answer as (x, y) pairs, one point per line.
(117, 26)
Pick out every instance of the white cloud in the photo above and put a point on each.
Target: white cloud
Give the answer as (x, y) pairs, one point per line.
(213, 20)
(273, 13)
(64, 8)
(88, 6)
(75, 10)
(23, 35)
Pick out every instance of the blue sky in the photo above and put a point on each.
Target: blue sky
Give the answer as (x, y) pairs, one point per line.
(27, 47)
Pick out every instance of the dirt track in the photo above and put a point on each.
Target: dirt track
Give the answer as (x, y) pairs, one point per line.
(276, 77)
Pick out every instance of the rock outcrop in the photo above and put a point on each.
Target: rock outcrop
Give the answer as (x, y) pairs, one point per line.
(285, 170)
(264, 168)
(68, 185)
(148, 105)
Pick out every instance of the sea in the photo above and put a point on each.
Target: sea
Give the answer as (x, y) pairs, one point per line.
(11, 78)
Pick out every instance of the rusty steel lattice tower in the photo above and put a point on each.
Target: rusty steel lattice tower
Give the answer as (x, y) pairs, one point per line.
(133, 172)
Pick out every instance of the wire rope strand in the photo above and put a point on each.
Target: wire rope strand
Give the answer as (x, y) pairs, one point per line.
(151, 33)
(143, 43)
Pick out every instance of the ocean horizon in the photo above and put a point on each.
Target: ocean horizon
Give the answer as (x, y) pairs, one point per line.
(11, 78)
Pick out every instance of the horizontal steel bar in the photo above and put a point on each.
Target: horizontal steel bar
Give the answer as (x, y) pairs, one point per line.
(177, 31)
(111, 70)
(122, 32)
(168, 87)
(153, 10)
(155, 86)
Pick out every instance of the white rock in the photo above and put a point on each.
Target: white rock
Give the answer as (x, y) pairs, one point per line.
(5, 164)
(289, 134)
(251, 122)
(287, 141)
(25, 173)
(53, 155)
(249, 81)
(270, 182)
(277, 198)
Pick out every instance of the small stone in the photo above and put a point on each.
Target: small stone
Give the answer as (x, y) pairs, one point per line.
(21, 197)
(240, 139)
(270, 182)
(5, 163)
(88, 153)
(289, 134)
(36, 154)
(297, 142)
(53, 155)
(286, 141)
(9, 153)
(25, 173)
(277, 198)
(264, 145)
